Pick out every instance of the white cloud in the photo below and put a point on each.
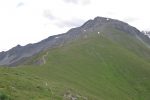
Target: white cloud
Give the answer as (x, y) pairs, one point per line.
(68, 23)
(48, 14)
(83, 2)
(20, 4)
(29, 21)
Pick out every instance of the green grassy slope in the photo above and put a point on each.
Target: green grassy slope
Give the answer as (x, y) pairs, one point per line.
(99, 67)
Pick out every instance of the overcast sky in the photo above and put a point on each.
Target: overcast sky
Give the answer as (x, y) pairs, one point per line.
(29, 21)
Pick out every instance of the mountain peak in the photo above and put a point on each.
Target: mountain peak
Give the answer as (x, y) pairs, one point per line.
(96, 21)
(19, 52)
(101, 19)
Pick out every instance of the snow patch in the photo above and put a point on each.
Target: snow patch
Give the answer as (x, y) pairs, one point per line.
(56, 37)
(107, 19)
(148, 35)
(98, 32)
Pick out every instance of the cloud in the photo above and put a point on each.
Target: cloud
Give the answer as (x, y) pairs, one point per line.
(130, 19)
(61, 22)
(48, 14)
(72, 1)
(86, 2)
(110, 13)
(83, 2)
(70, 23)
(20, 4)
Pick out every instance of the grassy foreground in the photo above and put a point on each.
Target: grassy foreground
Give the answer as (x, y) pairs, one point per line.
(94, 68)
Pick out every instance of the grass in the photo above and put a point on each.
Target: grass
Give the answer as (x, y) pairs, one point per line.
(95, 68)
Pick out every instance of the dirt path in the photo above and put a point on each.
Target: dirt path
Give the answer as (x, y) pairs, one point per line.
(44, 58)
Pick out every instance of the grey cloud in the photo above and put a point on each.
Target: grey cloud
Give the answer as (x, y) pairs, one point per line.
(72, 1)
(110, 13)
(48, 14)
(83, 2)
(86, 2)
(74, 22)
(70, 23)
(20, 4)
(130, 19)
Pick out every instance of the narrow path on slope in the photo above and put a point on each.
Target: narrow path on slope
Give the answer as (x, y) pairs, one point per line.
(44, 58)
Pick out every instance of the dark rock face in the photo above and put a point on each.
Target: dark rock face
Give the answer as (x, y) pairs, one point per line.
(145, 37)
(19, 53)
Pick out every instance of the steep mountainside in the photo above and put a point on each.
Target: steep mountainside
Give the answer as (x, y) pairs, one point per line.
(104, 59)
(20, 53)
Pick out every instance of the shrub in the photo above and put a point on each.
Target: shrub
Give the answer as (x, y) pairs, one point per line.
(3, 96)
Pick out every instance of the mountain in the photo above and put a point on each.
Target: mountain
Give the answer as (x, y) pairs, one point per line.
(19, 53)
(104, 59)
